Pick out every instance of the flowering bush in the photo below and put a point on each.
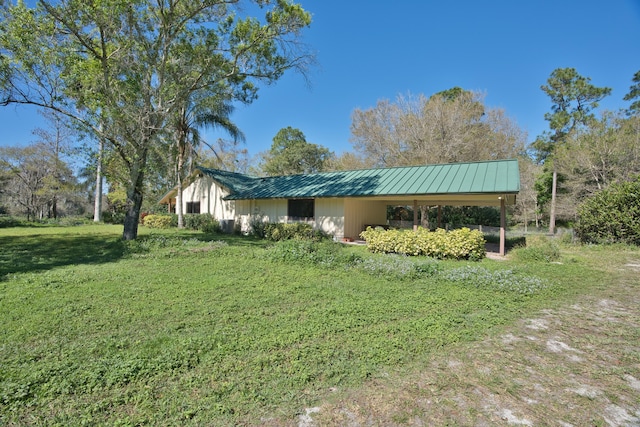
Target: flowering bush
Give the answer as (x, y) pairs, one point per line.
(157, 221)
(457, 244)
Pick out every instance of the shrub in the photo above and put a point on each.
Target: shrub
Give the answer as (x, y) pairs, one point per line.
(325, 253)
(537, 248)
(109, 217)
(157, 221)
(277, 232)
(457, 244)
(612, 215)
(202, 222)
(9, 221)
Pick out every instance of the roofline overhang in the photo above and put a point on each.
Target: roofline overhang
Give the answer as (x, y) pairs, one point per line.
(448, 199)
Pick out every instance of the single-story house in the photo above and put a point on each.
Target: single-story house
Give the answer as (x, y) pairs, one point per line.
(343, 203)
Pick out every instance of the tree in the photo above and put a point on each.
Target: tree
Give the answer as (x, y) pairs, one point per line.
(122, 70)
(207, 112)
(449, 126)
(596, 156)
(527, 201)
(349, 161)
(224, 154)
(291, 154)
(58, 141)
(573, 100)
(36, 179)
(634, 95)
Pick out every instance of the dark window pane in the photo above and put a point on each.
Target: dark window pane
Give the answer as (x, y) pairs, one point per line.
(301, 209)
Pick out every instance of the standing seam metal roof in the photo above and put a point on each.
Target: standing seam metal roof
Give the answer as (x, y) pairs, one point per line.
(490, 177)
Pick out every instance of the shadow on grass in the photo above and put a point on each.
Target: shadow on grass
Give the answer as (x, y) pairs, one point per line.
(42, 252)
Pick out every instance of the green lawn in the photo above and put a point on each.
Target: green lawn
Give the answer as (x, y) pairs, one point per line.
(183, 328)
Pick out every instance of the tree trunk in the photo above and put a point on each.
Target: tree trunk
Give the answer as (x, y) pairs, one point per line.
(97, 207)
(181, 150)
(424, 213)
(552, 213)
(134, 204)
(132, 217)
(179, 210)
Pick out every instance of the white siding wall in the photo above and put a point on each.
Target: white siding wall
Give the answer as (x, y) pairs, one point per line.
(337, 217)
(359, 212)
(209, 194)
(243, 214)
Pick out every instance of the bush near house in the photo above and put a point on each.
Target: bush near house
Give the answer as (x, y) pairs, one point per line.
(277, 232)
(157, 221)
(202, 222)
(456, 244)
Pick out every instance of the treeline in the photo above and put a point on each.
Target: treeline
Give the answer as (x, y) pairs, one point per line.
(586, 149)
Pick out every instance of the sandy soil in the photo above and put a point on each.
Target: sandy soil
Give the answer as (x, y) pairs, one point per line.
(577, 365)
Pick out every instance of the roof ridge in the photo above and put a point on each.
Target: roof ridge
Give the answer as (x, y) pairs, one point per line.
(396, 167)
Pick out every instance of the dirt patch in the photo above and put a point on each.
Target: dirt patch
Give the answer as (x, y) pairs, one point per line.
(578, 365)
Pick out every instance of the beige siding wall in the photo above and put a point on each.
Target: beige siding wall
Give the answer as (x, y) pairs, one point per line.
(359, 212)
(329, 215)
(271, 210)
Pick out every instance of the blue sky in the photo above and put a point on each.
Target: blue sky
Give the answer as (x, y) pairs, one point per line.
(372, 50)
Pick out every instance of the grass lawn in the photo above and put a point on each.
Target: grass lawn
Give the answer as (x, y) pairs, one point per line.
(183, 328)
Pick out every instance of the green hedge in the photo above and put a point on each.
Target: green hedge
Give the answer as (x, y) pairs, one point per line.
(278, 231)
(457, 244)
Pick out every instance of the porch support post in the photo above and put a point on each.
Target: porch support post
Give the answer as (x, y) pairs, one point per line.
(503, 226)
(415, 215)
(439, 216)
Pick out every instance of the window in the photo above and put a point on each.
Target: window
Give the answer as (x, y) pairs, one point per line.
(300, 209)
(193, 208)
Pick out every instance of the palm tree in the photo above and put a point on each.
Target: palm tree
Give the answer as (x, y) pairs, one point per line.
(196, 114)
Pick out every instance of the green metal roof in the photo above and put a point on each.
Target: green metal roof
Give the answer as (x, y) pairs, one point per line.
(490, 177)
(237, 183)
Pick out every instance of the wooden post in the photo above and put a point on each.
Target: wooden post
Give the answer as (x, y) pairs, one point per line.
(503, 226)
(439, 216)
(415, 215)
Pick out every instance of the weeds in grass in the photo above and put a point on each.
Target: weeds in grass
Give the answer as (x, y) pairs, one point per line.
(537, 249)
(398, 267)
(225, 337)
(156, 245)
(502, 280)
(322, 253)
(329, 254)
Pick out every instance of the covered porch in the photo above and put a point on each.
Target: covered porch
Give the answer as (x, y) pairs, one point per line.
(379, 204)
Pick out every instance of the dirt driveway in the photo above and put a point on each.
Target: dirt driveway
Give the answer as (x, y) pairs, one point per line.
(578, 365)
